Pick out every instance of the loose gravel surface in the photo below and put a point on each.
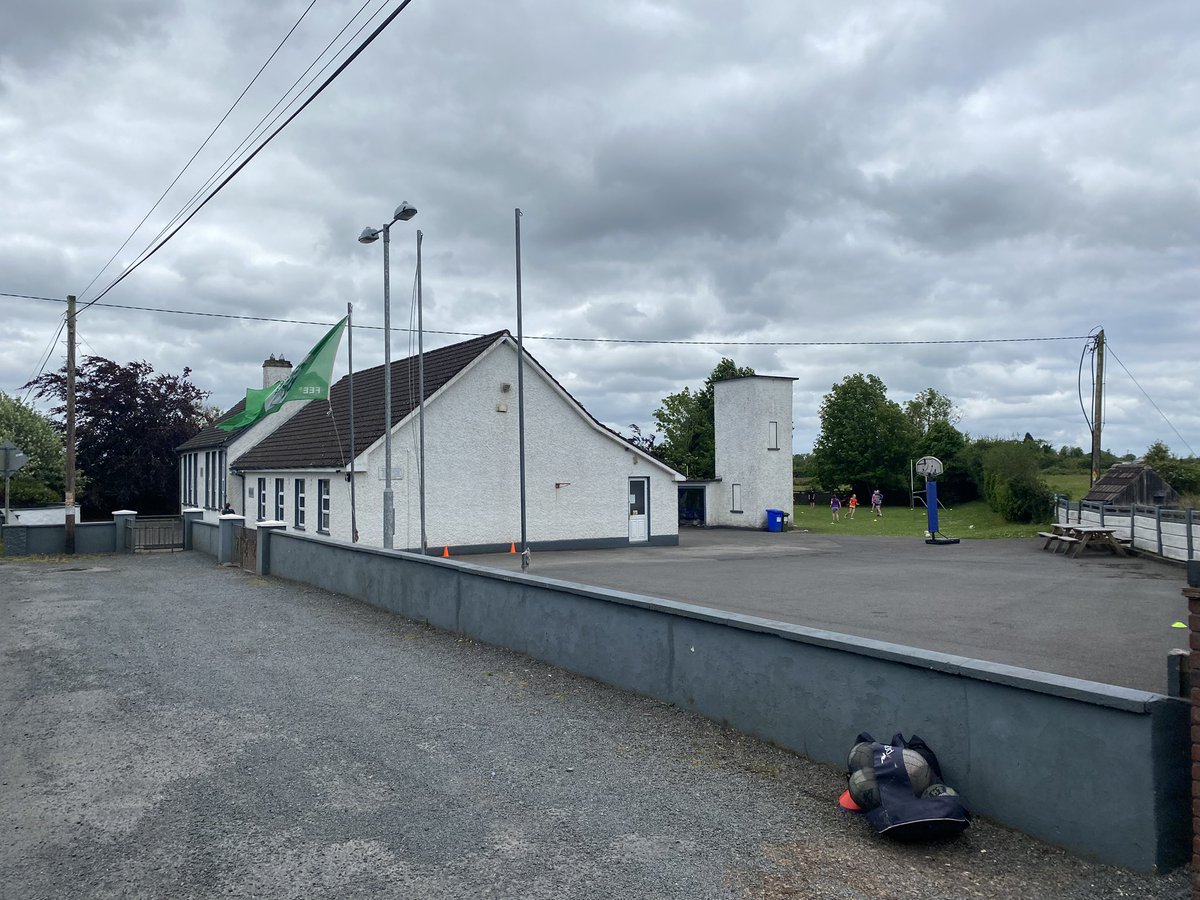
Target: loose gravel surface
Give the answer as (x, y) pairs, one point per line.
(175, 729)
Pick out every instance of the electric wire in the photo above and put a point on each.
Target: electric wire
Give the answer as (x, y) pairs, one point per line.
(1149, 398)
(259, 127)
(714, 342)
(45, 358)
(249, 158)
(203, 144)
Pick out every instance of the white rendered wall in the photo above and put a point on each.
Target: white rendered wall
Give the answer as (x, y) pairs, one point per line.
(743, 409)
(472, 489)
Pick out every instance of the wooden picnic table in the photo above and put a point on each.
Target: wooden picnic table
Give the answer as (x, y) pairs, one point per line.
(1076, 538)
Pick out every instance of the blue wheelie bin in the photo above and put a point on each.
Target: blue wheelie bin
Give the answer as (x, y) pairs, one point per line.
(774, 520)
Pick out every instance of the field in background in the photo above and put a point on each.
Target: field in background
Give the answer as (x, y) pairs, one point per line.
(965, 520)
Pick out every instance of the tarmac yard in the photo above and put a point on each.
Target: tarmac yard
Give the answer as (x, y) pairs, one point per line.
(1099, 618)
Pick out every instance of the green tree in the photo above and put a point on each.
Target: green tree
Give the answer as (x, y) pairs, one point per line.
(41, 480)
(1010, 474)
(929, 408)
(1183, 474)
(685, 420)
(128, 422)
(866, 439)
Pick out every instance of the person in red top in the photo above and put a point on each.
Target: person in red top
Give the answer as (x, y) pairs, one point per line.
(853, 505)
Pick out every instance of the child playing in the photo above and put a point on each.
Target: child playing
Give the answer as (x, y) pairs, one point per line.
(835, 506)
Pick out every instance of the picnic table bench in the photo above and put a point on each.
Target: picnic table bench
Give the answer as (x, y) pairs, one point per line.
(1076, 538)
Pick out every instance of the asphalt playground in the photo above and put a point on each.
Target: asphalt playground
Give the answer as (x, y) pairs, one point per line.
(1099, 617)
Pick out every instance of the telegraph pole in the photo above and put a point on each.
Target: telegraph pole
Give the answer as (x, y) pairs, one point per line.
(70, 473)
(1098, 405)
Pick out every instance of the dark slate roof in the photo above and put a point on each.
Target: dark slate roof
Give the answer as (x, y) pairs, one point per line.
(314, 439)
(211, 436)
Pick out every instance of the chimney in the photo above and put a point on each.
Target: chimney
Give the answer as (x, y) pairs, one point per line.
(275, 370)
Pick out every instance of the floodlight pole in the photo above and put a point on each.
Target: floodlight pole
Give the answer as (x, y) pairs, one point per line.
(369, 235)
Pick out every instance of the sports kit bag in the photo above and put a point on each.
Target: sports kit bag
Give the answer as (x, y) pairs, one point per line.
(908, 812)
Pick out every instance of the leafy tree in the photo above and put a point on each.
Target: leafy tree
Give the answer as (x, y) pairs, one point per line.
(930, 408)
(686, 422)
(1010, 473)
(1183, 474)
(866, 439)
(41, 480)
(128, 422)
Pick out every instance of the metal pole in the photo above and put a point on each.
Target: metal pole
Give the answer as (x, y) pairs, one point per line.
(350, 350)
(70, 461)
(521, 395)
(389, 509)
(420, 395)
(1098, 406)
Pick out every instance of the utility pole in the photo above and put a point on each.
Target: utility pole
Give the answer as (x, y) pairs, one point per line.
(1097, 405)
(70, 473)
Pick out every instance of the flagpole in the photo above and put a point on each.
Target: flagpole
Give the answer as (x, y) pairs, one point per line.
(521, 393)
(421, 395)
(350, 349)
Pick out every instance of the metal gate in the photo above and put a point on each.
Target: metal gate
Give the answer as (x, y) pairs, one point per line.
(245, 548)
(155, 533)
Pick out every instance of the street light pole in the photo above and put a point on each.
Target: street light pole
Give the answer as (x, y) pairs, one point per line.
(369, 235)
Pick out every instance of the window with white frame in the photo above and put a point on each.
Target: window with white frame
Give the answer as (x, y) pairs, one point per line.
(735, 502)
(278, 499)
(189, 484)
(772, 435)
(220, 479)
(323, 505)
(262, 499)
(298, 505)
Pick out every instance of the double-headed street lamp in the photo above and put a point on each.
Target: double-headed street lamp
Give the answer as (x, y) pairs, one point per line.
(370, 235)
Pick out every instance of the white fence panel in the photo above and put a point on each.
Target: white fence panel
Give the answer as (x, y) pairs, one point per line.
(1170, 533)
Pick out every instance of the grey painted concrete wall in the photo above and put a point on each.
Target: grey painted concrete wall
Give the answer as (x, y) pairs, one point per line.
(1100, 770)
(44, 540)
(205, 537)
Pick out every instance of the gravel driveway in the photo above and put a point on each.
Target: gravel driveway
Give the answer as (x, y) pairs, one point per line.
(176, 729)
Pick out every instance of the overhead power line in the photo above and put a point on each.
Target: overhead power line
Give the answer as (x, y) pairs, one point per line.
(261, 126)
(581, 340)
(203, 144)
(1152, 403)
(328, 81)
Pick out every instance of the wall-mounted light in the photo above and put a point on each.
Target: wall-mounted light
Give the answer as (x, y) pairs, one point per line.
(561, 484)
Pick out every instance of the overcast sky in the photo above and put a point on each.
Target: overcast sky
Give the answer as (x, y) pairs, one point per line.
(720, 175)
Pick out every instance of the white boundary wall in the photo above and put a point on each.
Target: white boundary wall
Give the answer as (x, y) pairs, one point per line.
(1169, 533)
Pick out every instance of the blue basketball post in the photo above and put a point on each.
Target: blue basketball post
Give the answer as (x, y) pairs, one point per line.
(931, 514)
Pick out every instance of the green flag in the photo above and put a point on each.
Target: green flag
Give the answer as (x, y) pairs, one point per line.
(309, 381)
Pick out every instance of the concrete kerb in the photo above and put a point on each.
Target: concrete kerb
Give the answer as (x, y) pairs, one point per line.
(1022, 746)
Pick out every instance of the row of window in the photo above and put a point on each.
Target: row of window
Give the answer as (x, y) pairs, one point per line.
(213, 475)
(299, 506)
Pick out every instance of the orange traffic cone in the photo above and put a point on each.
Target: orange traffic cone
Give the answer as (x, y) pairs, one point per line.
(512, 548)
(445, 552)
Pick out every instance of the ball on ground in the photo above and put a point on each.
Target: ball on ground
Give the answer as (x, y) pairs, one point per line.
(863, 789)
(861, 757)
(920, 775)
